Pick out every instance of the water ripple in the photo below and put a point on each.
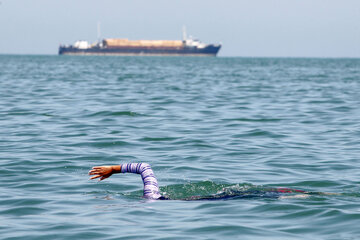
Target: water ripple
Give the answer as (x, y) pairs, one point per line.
(206, 125)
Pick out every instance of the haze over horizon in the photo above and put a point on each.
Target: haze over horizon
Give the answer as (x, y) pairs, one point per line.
(246, 28)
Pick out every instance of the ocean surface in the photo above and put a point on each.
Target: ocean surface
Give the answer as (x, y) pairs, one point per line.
(206, 126)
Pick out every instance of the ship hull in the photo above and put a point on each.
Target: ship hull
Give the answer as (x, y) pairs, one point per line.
(210, 50)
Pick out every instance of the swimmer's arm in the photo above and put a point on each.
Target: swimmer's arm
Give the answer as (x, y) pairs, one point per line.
(104, 172)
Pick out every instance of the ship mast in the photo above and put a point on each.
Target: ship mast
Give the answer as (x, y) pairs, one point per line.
(98, 32)
(184, 33)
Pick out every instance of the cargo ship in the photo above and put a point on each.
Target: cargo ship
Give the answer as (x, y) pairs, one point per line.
(125, 47)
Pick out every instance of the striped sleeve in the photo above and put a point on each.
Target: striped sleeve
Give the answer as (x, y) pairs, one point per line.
(151, 188)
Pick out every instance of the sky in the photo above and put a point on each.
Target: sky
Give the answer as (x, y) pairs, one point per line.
(245, 28)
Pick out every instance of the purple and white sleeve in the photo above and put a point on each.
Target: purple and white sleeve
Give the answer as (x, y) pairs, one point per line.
(151, 188)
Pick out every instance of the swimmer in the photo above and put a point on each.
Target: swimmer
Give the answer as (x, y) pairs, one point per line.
(151, 188)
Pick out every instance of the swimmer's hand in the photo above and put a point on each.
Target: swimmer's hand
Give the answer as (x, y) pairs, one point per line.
(101, 172)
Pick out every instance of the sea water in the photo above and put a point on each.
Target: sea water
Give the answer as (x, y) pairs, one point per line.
(206, 125)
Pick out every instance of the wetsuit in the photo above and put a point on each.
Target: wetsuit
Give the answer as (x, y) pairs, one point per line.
(151, 188)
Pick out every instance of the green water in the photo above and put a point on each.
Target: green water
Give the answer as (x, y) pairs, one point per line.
(206, 126)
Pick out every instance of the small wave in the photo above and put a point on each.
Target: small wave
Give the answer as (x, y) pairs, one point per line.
(102, 144)
(118, 113)
(158, 139)
(129, 76)
(21, 211)
(195, 143)
(20, 113)
(110, 144)
(258, 133)
(342, 109)
(253, 119)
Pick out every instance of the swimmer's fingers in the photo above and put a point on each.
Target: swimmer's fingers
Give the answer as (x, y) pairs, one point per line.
(94, 177)
(94, 172)
(101, 170)
(102, 177)
(98, 167)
